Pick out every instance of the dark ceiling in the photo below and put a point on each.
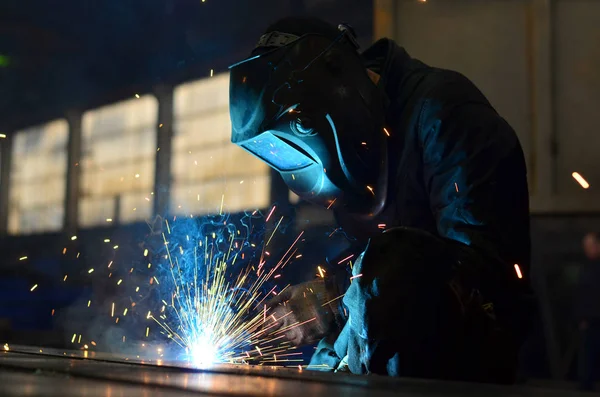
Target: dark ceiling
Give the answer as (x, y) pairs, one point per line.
(57, 55)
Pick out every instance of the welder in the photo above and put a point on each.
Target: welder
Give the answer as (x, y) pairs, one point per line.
(416, 164)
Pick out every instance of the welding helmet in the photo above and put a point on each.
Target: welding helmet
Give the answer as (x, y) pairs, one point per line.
(306, 106)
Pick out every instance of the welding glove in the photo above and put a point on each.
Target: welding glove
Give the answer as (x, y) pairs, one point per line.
(415, 310)
(304, 313)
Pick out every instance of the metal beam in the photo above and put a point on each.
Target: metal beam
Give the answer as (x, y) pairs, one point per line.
(543, 121)
(384, 19)
(584, 203)
(164, 139)
(5, 163)
(73, 172)
(543, 172)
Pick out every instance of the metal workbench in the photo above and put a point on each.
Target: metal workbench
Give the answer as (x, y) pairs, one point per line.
(28, 371)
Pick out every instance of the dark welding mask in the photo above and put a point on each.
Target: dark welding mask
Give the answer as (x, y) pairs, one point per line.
(309, 109)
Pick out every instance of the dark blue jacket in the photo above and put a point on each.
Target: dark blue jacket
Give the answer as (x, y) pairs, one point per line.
(457, 171)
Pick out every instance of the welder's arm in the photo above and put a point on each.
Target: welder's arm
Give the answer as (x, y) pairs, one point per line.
(475, 174)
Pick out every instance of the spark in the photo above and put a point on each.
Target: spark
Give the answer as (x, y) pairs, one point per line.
(22, 258)
(345, 259)
(357, 276)
(216, 311)
(146, 252)
(321, 271)
(73, 338)
(160, 125)
(381, 226)
(2, 135)
(386, 131)
(211, 71)
(64, 250)
(73, 238)
(147, 331)
(65, 278)
(137, 96)
(333, 300)
(581, 180)
(33, 288)
(107, 240)
(270, 213)
(332, 202)
(274, 230)
(518, 270)
(456, 186)
(6, 348)
(371, 190)
(89, 303)
(112, 310)
(91, 271)
(115, 247)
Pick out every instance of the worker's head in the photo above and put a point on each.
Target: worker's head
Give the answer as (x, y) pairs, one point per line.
(305, 104)
(591, 246)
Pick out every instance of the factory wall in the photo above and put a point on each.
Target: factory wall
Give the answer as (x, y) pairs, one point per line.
(537, 61)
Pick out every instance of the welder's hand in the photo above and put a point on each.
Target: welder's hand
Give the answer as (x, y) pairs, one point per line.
(391, 300)
(301, 313)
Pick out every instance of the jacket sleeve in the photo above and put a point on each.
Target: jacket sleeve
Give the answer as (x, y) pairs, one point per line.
(475, 175)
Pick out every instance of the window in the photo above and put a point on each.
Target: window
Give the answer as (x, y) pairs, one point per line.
(38, 178)
(207, 168)
(118, 160)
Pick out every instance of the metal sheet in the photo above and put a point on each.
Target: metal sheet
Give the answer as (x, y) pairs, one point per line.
(28, 372)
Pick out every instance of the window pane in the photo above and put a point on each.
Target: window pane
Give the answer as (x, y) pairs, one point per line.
(206, 197)
(95, 211)
(38, 178)
(135, 206)
(206, 167)
(202, 96)
(119, 148)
